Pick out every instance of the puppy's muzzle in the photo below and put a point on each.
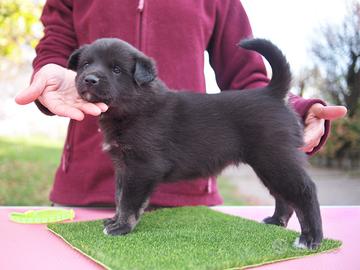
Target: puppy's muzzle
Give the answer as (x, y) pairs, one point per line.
(88, 91)
(92, 87)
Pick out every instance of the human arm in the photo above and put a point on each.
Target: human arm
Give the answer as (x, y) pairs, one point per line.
(239, 69)
(316, 118)
(234, 68)
(53, 87)
(53, 90)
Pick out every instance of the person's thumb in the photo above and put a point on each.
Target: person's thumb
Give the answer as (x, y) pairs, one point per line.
(330, 112)
(31, 93)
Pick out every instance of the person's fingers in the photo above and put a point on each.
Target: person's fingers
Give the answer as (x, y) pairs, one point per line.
(312, 135)
(329, 112)
(103, 107)
(310, 142)
(62, 109)
(31, 93)
(310, 145)
(90, 108)
(313, 131)
(68, 111)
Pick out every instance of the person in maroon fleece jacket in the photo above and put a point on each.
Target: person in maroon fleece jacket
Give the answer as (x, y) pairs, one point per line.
(174, 33)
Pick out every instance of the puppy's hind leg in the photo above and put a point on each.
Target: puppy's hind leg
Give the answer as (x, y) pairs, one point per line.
(308, 213)
(286, 178)
(282, 214)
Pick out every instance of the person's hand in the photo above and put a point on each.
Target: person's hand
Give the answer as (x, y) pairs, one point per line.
(314, 123)
(54, 87)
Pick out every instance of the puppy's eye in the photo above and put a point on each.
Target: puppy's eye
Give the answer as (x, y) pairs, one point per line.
(116, 69)
(85, 65)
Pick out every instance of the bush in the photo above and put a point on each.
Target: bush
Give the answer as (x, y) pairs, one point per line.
(343, 146)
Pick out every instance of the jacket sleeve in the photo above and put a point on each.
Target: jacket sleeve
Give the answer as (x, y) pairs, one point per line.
(234, 68)
(242, 69)
(59, 39)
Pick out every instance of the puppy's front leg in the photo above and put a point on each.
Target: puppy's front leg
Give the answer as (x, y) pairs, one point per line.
(118, 189)
(132, 198)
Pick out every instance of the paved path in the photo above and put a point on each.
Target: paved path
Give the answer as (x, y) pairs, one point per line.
(334, 187)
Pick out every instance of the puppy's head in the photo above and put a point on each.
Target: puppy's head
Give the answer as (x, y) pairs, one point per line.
(110, 69)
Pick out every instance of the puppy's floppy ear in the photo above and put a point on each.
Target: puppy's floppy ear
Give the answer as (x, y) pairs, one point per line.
(145, 70)
(73, 60)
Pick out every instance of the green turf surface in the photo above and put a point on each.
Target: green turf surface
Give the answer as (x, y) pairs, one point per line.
(186, 238)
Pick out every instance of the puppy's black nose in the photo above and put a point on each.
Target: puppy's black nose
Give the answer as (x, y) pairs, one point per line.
(91, 79)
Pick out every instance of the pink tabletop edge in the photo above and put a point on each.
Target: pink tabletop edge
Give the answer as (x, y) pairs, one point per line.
(24, 245)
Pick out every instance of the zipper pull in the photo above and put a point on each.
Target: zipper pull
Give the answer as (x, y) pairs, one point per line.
(141, 5)
(66, 157)
(209, 186)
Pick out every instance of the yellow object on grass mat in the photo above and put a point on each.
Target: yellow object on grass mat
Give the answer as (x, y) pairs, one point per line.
(186, 238)
(42, 216)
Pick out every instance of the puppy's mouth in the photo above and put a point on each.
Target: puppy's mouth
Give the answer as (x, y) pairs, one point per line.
(88, 97)
(91, 95)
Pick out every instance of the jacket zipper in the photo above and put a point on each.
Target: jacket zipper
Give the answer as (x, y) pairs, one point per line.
(140, 9)
(140, 46)
(66, 156)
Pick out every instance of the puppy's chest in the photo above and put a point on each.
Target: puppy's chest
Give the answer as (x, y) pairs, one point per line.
(115, 141)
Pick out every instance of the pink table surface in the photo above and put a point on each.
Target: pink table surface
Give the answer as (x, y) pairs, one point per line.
(24, 246)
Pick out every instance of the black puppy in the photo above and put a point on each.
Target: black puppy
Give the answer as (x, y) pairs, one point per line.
(155, 135)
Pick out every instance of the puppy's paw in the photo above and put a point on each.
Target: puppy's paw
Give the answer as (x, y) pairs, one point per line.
(304, 242)
(108, 221)
(275, 221)
(116, 228)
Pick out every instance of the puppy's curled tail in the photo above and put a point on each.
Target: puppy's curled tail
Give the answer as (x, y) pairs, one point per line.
(281, 74)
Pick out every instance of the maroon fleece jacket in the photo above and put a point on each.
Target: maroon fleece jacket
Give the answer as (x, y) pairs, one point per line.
(175, 33)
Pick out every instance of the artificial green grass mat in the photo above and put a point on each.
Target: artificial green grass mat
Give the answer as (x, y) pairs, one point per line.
(186, 238)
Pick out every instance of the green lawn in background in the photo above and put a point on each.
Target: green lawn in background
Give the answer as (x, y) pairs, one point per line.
(27, 167)
(229, 192)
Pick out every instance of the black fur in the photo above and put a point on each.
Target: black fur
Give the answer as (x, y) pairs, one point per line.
(155, 135)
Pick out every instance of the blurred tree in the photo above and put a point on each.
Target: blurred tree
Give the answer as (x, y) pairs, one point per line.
(337, 57)
(305, 79)
(20, 29)
(336, 53)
